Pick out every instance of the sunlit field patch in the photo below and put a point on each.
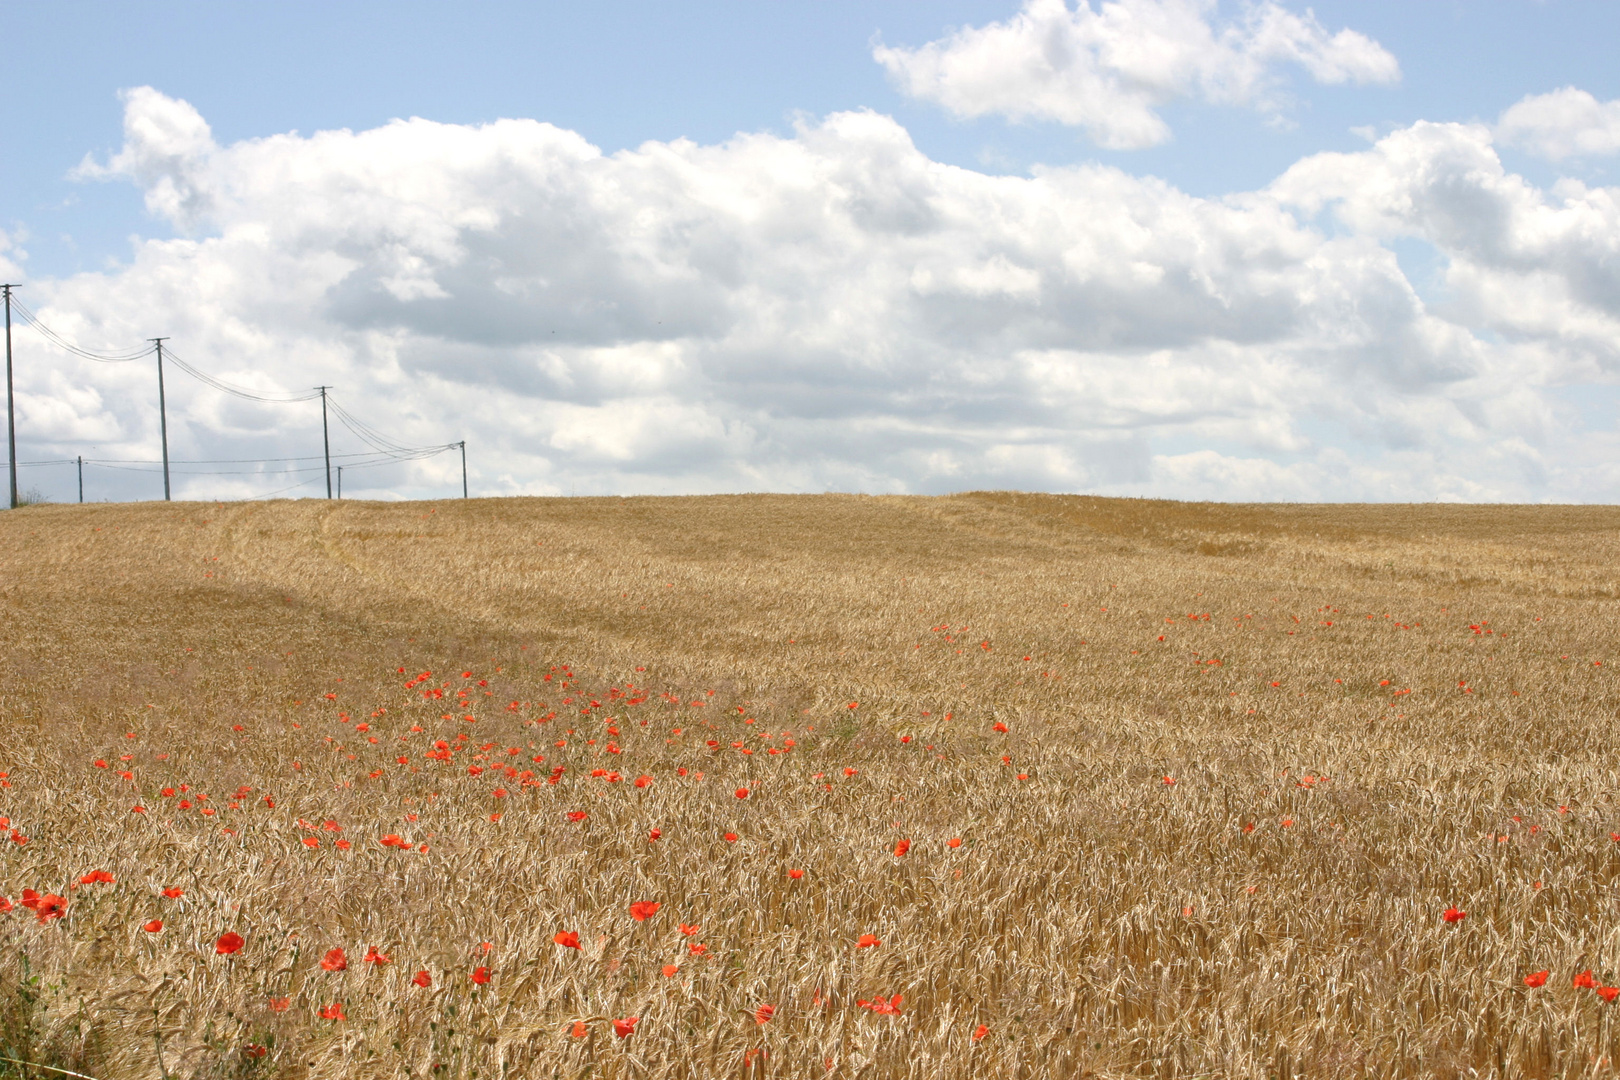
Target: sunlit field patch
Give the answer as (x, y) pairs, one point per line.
(808, 787)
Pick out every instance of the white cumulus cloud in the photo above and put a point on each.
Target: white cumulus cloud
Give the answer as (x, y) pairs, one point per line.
(1563, 124)
(1110, 69)
(834, 309)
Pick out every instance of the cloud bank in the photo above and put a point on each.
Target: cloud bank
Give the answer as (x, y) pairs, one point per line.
(1111, 69)
(833, 310)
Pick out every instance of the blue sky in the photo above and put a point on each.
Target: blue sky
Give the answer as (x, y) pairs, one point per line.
(623, 74)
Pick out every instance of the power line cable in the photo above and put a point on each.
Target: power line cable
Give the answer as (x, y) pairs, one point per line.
(63, 343)
(280, 398)
(380, 442)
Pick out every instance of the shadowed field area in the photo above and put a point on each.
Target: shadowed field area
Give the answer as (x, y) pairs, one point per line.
(1119, 788)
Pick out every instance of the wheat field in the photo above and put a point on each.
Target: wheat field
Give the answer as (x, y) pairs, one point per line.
(989, 785)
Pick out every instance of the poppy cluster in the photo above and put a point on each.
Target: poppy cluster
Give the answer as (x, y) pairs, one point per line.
(45, 906)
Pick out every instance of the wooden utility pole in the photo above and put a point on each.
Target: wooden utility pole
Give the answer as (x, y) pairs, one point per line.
(163, 416)
(11, 411)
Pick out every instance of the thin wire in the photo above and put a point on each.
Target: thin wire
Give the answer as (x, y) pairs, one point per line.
(374, 438)
(63, 343)
(222, 461)
(211, 472)
(273, 494)
(418, 457)
(282, 398)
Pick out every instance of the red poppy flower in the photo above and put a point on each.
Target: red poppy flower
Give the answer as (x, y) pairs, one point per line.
(47, 907)
(764, 1013)
(311, 842)
(642, 910)
(867, 941)
(901, 848)
(154, 926)
(333, 1011)
(568, 939)
(980, 1032)
(731, 838)
(577, 815)
(1608, 993)
(280, 1004)
(654, 834)
(954, 842)
(878, 1005)
(742, 793)
(579, 1030)
(670, 970)
(1452, 915)
(643, 781)
(422, 979)
(96, 877)
(1539, 978)
(999, 726)
(334, 960)
(795, 874)
(374, 957)
(1584, 981)
(626, 1027)
(228, 943)
(480, 975)
(697, 950)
